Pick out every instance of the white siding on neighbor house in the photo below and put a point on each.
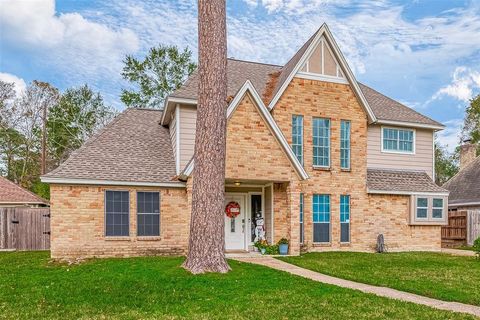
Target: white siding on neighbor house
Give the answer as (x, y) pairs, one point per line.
(173, 136)
(422, 159)
(188, 119)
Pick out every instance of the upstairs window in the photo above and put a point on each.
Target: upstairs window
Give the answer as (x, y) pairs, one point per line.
(398, 140)
(117, 205)
(321, 142)
(297, 137)
(345, 144)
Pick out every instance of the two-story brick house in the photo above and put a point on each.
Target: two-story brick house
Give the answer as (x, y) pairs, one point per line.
(327, 162)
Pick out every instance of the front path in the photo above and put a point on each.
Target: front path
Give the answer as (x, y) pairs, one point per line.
(379, 291)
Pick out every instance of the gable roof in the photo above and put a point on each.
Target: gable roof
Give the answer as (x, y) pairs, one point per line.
(14, 194)
(383, 181)
(270, 81)
(132, 148)
(464, 187)
(277, 133)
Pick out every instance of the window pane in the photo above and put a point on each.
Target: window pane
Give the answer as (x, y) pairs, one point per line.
(148, 214)
(421, 213)
(116, 213)
(397, 140)
(437, 213)
(321, 218)
(301, 217)
(321, 142)
(345, 144)
(297, 136)
(438, 203)
(422, 202)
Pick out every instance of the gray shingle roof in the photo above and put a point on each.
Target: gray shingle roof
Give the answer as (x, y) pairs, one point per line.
(400, 181)
(237, 73)
(464, 187)
(133, 147)
(260, 75)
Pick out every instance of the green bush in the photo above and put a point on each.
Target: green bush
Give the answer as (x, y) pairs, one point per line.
(476, 247)
(283, 241)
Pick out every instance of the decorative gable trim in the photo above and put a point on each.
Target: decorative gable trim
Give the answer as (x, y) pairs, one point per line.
(264, 112)
(325, 32)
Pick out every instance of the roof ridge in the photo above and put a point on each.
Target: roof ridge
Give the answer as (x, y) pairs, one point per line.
(396, 101)
(255, 62)
(143, 109)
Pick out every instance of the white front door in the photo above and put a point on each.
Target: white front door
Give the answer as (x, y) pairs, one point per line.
(235, 227)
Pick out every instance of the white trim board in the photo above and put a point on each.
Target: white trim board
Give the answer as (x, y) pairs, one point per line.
(264, 112)
(112, 182)
(407, 193)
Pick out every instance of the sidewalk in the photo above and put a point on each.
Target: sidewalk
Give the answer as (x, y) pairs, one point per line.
(458, 252)
(379, 291)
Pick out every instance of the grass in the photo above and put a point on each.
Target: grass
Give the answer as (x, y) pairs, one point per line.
(157, 288)
(436, 275)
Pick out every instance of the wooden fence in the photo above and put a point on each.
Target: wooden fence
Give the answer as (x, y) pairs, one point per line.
(463, 228)
(25, 228)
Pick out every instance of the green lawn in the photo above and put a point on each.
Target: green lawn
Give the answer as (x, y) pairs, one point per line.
(157, 288)
(436, 275)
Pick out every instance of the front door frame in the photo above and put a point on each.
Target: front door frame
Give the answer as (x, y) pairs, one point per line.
(246, 212)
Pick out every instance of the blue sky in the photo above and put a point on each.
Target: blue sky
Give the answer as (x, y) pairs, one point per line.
(425, 54)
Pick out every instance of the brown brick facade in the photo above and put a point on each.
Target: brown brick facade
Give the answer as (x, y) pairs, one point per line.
(255, 156)
(78, 224)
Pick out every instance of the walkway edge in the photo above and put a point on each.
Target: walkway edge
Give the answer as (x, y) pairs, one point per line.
(379, 291)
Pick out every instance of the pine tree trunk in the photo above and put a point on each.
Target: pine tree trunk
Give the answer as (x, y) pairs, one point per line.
(206, 252)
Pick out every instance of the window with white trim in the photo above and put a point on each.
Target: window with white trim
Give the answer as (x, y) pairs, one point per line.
(437, 208)
(321, 142)
(321, 218)
(422, 208)
(398, 140)
(148, 214)
(297, 136)
(345, 144)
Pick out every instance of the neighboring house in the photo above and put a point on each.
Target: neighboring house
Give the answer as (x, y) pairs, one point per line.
(464, 187)
(328, 162)
(12, 195)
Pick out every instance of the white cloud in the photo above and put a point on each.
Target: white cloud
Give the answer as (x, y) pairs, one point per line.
(450, 136)
(68, 43)
(463, 85)
(20, 84)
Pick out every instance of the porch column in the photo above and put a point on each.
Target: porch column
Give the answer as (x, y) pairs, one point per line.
(293, 196)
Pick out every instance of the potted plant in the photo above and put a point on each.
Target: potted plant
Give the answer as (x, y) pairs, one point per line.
(261, 245)
(283, 246)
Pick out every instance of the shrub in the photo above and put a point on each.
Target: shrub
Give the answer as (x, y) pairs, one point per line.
(476, 247)
(283, 241)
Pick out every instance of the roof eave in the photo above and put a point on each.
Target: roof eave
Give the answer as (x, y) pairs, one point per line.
(81, 181)
(407, 193)
(169, 103)
(411, 124)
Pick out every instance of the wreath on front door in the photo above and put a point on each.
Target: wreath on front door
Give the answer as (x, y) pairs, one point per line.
(232, 209)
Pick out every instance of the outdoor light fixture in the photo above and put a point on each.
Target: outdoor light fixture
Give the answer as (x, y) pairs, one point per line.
(237, 183)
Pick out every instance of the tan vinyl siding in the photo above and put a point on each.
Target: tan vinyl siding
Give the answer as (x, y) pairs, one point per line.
(173, 136)
(188, 118)
(422, 159)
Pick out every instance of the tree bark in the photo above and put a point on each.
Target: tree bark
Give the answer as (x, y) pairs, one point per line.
(206, 251)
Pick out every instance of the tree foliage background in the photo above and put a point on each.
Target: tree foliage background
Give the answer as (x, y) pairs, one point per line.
(163, 70)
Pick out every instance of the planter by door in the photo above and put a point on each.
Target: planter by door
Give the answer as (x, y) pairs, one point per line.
(283, 249)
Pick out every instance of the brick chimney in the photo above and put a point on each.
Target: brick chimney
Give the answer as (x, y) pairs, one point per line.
(467, 153)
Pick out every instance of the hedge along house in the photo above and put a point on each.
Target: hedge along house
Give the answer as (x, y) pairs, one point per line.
(328, 163)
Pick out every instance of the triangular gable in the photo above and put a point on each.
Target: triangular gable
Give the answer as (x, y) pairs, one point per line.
(265, 114)
(298, 62)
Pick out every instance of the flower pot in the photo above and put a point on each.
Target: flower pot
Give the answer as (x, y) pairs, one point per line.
(283, 249)
(263, 250)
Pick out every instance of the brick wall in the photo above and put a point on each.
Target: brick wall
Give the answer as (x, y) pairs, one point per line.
(77, 224)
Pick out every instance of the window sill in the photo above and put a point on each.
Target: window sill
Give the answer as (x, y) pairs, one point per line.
(322, 168)
(149, 238)
(126, 238)
(322, 244)
(345, 244)
(346, 170)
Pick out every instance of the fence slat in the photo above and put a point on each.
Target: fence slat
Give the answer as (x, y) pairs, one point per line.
(455, 233)
(473, 227)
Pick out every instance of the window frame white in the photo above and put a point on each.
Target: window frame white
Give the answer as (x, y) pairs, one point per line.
(329, 139)
(294, 116)
(429, 220)
(414, 142)
(349, 149)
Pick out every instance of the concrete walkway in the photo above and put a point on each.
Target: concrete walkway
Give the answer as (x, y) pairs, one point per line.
(379, 291)
(458, 252)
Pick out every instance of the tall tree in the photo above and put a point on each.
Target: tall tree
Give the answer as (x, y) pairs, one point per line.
(206, 250)
(79, 113)
(446, 164)
(471, 125)
(163, 70)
